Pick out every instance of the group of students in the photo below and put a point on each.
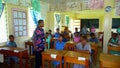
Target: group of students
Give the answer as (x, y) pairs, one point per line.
(58, 41)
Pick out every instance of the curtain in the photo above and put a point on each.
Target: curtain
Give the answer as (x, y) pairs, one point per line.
(1, 7)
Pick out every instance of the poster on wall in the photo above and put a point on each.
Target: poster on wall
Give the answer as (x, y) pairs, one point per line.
(117, 8)
(16, 2)
(96, 4)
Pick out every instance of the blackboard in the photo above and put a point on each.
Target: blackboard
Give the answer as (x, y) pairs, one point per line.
(115, 23)
(90, 22)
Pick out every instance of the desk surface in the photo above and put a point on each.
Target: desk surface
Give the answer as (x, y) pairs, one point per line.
(13, 48)
(53, 51)
(77, 54)
(115, 48)
(110, 58)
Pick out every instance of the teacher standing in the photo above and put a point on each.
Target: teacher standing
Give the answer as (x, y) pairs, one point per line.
(39, 43)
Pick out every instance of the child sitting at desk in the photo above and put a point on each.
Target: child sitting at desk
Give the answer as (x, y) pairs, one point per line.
(93, 38)
(83, 46)
(11, 43)
(59, 45)
(56, 35)
(76, 38)
(48, 39)
(114, 41)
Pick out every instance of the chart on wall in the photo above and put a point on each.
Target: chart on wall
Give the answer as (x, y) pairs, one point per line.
(20, 23)
(117, 8)
(96, 4)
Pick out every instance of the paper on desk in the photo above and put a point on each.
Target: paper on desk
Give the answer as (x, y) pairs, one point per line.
(1, 58)
(16, 51)
(81, 58)
(53, 56)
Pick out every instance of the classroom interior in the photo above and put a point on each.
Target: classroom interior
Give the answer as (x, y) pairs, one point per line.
(20, 18)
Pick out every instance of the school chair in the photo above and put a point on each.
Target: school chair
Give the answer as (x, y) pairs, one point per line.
(29, 47)
(70, 46)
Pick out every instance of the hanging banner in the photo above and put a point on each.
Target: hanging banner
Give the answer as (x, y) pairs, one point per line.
(1, 7)
(67, 20)
(96, 4)
(117, 7)
(36, 5)
(36, 16)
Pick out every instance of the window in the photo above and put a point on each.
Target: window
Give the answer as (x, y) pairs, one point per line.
(3, 28)
(20, 23)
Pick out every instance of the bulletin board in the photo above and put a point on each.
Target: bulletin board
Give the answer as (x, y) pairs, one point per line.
(20, 23)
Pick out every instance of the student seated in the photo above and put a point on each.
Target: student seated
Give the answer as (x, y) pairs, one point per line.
(56, 35)
(114, 41)
(76, 38)
(11, 43)
(93, 38)
(59, 45)
(83, 46)
(48, 39)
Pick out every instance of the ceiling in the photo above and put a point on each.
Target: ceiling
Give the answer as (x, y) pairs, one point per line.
(59, 1)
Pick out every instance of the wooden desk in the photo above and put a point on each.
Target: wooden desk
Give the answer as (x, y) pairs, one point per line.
(94, 47)
(114, 48)
(18, 52)
(72, 57)
(109, 61)
(46, 55)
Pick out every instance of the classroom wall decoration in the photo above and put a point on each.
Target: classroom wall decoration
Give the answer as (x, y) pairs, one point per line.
(70, 6)
(15, 2)
(20, 23)
(117, 8)
(96, 4)
(26, 3)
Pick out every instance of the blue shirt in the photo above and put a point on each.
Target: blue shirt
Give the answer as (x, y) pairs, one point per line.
(56, 35)
(11, 44)
(59, 45)
(93, 40)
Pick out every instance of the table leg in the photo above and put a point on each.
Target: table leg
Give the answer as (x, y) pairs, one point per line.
(101, 64)
(87, 64)
(42, 61)
(49, 63)
(68, 65)
(60, 64)
(64, 63)
(20, 61)
(26, 61)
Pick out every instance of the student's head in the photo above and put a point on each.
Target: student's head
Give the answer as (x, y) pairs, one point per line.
(76, 34)
(41, 23)
(84, 26)
(84, 40)
(114, 35)
(50, 31)
(76, 29)
(47, 34)
(60, 38)
(11, 38)
(57, 30)
(119, 26)
(92, 35)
